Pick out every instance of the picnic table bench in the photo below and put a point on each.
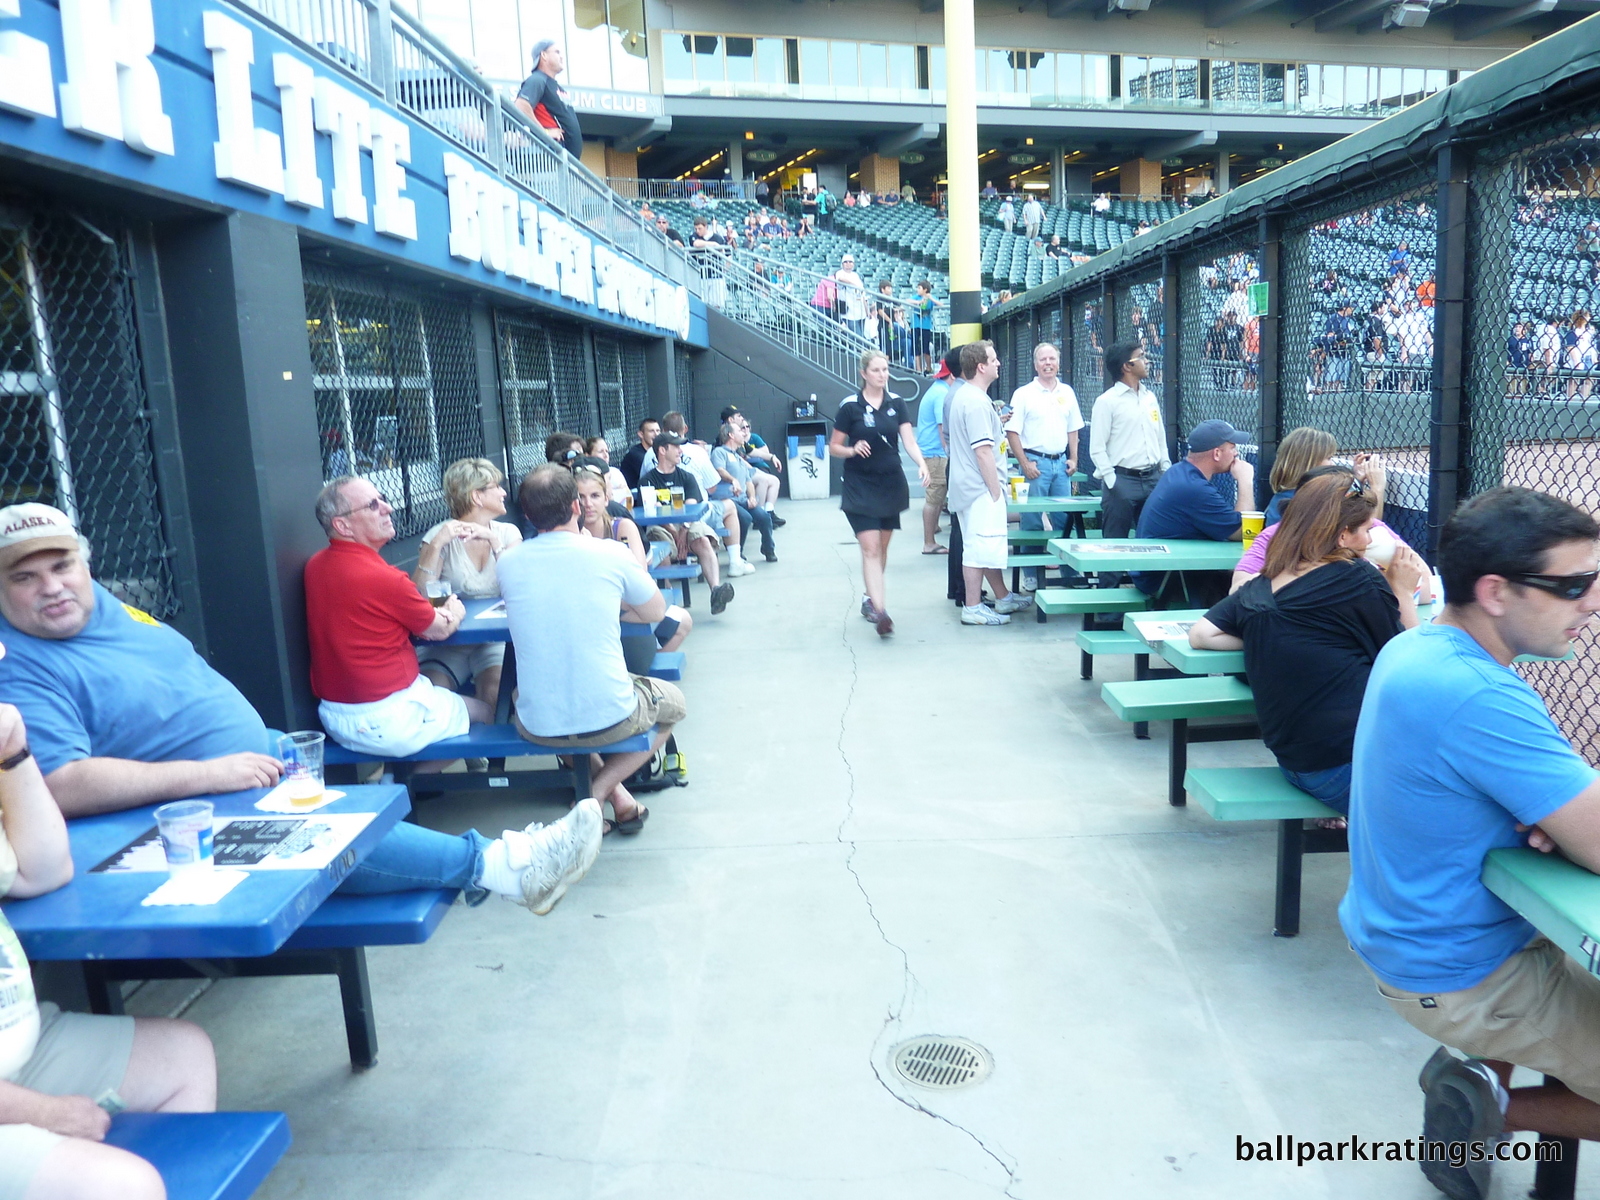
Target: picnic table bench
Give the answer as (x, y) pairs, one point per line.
(1181, 701)
(205, 1156)
(1562, 901)
(681, 574)
(1263, 794)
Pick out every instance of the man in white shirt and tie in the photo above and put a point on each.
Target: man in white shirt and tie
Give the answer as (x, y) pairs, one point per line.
(1043, 434)
(1127, 439)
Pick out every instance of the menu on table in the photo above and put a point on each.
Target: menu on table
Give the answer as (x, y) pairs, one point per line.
(253, 843)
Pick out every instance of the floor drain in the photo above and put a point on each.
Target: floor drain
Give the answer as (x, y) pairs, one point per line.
(941, 1062)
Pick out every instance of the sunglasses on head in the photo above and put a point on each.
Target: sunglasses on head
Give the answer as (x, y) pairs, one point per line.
(1567, 587)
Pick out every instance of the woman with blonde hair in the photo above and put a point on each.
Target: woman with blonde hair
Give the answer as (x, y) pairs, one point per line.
(868, 432)
(1311, 625)
(463, 550)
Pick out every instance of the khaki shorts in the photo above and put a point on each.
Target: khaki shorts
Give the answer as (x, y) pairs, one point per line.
(1539, 1009)
(936, 481)
(657, 703)
(464, 663)
(77, 1055)
(694, 529)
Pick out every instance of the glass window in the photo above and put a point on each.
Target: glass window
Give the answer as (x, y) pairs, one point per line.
(1186, 79)
(708, 57)
(1436, 81)
(630, 67)
(846, 71)
(1272, 76)
(874, 65)
(1097, 77)
(1411, 84)
(936, 68)
(1042, 74)
(1069, 76)
(741, 60)
(1389, 87)
(678, 60)
(588, 44)
(813, 63)
(1001, 76)
(903, 67)
(770, 65)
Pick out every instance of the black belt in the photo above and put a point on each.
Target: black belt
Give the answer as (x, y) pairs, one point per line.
(1042, 454)
(1138, 472)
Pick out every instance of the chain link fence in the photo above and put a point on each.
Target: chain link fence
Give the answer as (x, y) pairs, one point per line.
(1534, 281)
(544, 386)
(75, 428)
(683, 371)
(396, 388)
(1219, 351)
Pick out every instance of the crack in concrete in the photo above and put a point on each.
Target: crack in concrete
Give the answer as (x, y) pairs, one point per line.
(908, 978)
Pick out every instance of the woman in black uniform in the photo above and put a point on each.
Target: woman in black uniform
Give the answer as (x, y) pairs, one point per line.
(865, 433)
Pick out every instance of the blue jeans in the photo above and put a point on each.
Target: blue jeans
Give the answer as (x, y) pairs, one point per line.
(1332, 786)
(410, 857)
(1053, 481)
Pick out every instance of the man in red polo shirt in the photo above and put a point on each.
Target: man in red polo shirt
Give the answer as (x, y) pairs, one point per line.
(360, 615)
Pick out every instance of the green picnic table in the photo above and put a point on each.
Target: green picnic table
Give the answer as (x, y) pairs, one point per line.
(1562, 901)
(1151, 554)
(1050, 504)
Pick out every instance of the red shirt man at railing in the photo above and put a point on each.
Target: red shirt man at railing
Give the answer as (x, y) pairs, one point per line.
(542, 101)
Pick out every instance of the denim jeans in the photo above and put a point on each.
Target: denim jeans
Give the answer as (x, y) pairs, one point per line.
(762, 520)
(410, 857)
(1332, 786)
(1053, 481)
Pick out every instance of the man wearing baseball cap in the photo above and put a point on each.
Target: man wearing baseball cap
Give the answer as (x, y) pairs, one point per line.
(121, 712)
(1187, 506)
(542, 101)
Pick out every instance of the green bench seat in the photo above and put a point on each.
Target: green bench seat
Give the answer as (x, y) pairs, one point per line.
(1181, 701)
(1032, 537)
(1263, 794)
(1110, 641)
(1055, 602)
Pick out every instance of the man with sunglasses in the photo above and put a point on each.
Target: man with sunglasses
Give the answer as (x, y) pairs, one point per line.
(1455, 755)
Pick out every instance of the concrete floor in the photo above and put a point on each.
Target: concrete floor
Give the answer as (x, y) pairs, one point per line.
(945, 832)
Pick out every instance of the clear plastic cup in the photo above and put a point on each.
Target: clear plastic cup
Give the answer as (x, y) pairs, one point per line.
(677, 499)
(185, 827)
(301, 754)
(438, 592)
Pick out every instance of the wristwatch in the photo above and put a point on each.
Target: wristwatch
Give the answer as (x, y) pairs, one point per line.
(16, 760)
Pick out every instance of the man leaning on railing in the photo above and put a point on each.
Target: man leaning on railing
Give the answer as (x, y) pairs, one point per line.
(543, 102)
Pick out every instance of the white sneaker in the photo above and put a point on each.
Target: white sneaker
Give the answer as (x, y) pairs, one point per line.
(1013, 602)
(983, 616)
(740, 566)
(1029, 585)
(554, 857)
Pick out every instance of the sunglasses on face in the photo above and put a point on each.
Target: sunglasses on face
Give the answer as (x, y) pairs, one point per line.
(371, 506)
(1567, 587)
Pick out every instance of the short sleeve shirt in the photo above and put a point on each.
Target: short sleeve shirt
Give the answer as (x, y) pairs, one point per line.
(1043, 418)
(1187, 505)
(969, 422)
(125, 686)
(677, 477)
(360, 616)
(1452, 752)
(874, 486)
(564, 594)
(930, 415)
(19, 1010)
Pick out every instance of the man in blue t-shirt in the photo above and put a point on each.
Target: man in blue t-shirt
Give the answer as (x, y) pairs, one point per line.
(1455, 756)
(1187, 506)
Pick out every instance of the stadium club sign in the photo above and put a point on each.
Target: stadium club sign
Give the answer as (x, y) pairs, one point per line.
(111, 91)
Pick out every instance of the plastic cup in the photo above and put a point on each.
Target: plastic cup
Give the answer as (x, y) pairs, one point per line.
(1251, 523)
(677, 499)
(438, 592)
(185, 827)
(1381, 548)
(301, 754)
(647, 501)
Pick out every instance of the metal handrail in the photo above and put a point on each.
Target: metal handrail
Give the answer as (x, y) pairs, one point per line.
(379, 44)
(810, 279)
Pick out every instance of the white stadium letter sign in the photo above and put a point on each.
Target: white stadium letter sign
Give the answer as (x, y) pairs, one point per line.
(466, 241)
(26, 84)
(392, 213)
(112, 90)
(296, 83)
(244, 153)
(348, 120)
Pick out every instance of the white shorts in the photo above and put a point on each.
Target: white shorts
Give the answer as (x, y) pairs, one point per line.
(983, 533)
(464, 662)
(399, 725)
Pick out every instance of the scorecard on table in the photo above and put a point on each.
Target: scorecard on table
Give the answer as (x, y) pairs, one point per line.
(1118, 548)
(254, 843)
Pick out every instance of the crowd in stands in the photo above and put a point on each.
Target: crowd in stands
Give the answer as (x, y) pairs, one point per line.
(105, 708)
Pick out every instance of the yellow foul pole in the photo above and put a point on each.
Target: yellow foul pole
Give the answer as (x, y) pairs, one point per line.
(961, 172)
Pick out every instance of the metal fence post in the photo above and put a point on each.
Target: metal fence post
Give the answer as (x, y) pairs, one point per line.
(381, 51)
(1171, 352)
(1270, 425)
(1447, 448)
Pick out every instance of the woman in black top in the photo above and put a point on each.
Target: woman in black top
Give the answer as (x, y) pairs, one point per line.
(1311, 625)
(865, 432)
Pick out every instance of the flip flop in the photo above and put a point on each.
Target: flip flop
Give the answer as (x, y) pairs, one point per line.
(938, 550)
(634, 823)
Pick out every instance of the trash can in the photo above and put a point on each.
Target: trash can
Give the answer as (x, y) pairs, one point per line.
(808, 460)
